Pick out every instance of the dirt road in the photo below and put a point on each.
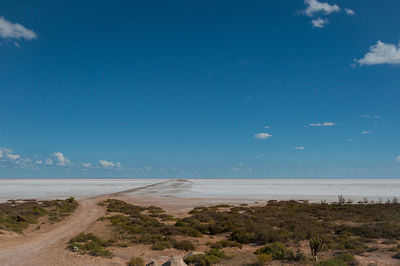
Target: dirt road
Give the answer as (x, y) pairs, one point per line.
(50, 244)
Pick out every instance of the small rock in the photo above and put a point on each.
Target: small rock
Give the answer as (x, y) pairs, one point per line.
(175, 261)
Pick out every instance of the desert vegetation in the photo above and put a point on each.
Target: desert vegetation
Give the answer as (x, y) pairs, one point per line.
(331, 234)
(17, 215)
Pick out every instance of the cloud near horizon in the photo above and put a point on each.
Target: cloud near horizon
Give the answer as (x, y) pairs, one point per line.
(10, 159)
(366, 132)
(299, 148)
(262, 135)
(15, 31)
(324, 124)
(109, 165)
(381, 53)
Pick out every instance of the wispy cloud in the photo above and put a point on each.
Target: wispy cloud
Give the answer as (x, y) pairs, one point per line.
(300, 148)
(371, 116)
(381, 53)
(319, 22)
(15, 31)
(315, 7)
(398, 158)
(366, 132)
(10, 159)
(323, 124)
(349, 12)
(262, 135)
(109, 165)
(8, 154)
(86, 165)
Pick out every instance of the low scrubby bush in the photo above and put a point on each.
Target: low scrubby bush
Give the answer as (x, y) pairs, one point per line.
(90, 244)
(341, 260)
(225, 243)
(277, 251)
(186, 245)
(212, 256)
(16, 216)
(136, 261)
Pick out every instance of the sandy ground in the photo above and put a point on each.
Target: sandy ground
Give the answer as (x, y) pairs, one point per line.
(47, 245)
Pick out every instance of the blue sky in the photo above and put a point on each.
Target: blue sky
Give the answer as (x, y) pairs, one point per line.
(185, 89)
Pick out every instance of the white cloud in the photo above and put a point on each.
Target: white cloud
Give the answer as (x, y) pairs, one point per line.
(366, 132)
(398, 158)
(6, 153)
(381, 53)
(324, 124)
(262, 135)
(49, 161)
(10, 159)
(13, 156)
(313, 6)
(267, 127)
(319, 22)
(299, 148)
(349, 12)
(87, 165)
(61, 160)
(9, 30)
(39, 162)
(106, 164)
(109, 165)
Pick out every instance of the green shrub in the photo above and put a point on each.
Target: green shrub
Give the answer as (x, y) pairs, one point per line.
(243, 237)
(186, 245)
(90, 244)
(225, 243)
(341, 260)
(212, 256)
(263, 259)
(277, 251)
(16, 216)
(136, 261)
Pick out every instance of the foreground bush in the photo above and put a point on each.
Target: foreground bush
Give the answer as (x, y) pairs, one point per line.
(277, 251)
(341, 260)
(90, 244)
(136, 261)
(186, 245)
(212, 256)
(16, 216)
(142, 228)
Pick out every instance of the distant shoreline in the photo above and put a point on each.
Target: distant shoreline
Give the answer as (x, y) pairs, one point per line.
(314, 190)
